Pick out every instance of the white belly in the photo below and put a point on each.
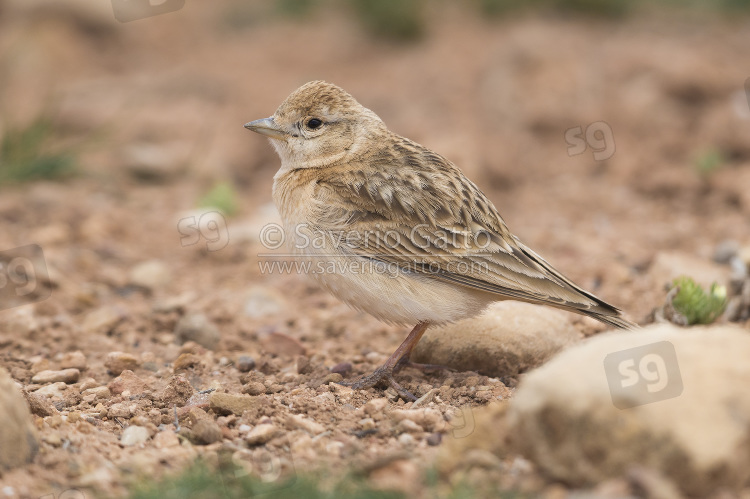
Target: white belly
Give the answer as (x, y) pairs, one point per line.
(388, 293)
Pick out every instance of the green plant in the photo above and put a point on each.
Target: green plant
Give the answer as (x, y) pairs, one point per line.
(201, 481)
(400, 20)
(709, 161)
(223, 197)
(28, 154)
(298, 9)
(695, 304)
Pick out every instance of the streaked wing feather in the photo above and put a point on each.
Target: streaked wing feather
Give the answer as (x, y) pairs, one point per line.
(439, 238)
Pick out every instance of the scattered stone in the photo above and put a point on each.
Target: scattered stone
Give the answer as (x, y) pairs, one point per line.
(342, 368)
(375, 406)
(39, 405)
(297, 421)
(434, 439)
(424, 399)
(185, 361)
(276, 343)
(206, 431)
(227, 403)
(127, 383)
(245, 363)
(508, 339)
(117, 362)
(254, 388)
(427, 419)
(20, 322)
(98, 392)
(197, 328)
(19, 442)
(261, 434)
(406, 440)
(177, 392)
(101, 320)
(134, 435)
(88, 383)
(264, 302)
(53, 390)
(122, 410)
(150, 275)
(54, 421)
(74, 360)
(406, 425)
(303, 365)
(64, 376)
(367, 424)
(166, 439)
(578, 421)
(53, 438)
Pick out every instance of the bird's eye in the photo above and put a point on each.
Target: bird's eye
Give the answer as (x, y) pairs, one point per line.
(314, 123)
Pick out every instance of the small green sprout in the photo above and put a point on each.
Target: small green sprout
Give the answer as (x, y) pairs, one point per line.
(697, 306)
(708, 162)
(222, 197)
(26, 154)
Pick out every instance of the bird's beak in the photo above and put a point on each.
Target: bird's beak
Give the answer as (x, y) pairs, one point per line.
(266, 126)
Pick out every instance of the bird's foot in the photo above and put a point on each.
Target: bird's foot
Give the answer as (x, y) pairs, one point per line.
(383, 374)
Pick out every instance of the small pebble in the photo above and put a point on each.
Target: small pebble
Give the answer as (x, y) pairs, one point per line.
(342, 368)
(261, 434)
(434, 439)
(133, 435)
(245, 363)
(64, 376)
(254, 388)
(74, 360)
(117, 362)
(206, 431)
(197, 328)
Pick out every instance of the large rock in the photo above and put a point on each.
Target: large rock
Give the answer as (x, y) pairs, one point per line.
(509, 338)
(18, 438)
(663, 398)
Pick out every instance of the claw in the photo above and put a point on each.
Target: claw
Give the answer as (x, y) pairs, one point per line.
(381, 374)
(399, 359)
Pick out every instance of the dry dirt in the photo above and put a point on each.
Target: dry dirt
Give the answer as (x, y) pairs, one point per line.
(496, 97)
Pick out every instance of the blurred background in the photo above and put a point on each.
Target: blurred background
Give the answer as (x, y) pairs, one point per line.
(613, 136)
(111, 130)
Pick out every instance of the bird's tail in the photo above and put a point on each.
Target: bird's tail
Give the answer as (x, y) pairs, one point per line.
(612, 320)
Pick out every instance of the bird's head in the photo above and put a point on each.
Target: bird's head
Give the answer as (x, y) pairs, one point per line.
(318, 125)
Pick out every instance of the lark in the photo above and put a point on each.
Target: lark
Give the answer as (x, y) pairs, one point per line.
(405, 236)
